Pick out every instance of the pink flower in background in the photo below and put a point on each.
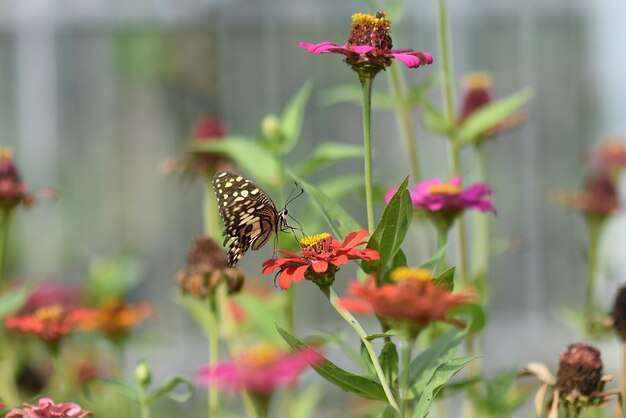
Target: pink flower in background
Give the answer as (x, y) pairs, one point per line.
(51, 292)
(48, 409)
(259, 370)
(609, 158)
(369, 48)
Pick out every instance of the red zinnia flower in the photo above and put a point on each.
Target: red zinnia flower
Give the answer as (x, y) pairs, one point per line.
(319, 258)
(115, 318)
(49, 323)
(409, 304)
(48, 409)
(260, 370)
(369, 48)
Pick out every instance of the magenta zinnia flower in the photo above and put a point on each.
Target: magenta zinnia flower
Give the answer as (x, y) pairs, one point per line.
(260, 370)
(369, 46)
(48, 409)
(445, 201)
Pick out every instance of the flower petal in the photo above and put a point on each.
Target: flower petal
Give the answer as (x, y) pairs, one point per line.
(356, 306)
(320, 266)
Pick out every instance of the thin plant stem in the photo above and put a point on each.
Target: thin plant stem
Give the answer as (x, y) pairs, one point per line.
(214, 355)
(117, 361)
(366, 86)
(5, 223)
(481, 245)
(594, 225)
(442, 239)
(405, 121)
(289, 392)
(60, 372)
(211, 218)
(619, 413)
(407, 349)
(261, 404)
(351, 320)
(144, 408)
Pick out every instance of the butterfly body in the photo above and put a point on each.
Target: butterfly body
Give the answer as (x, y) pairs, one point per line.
(248, 213)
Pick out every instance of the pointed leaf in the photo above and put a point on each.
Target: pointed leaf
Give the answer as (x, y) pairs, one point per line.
(338, 219)
(260, 314)
(11, 302)
(291, 119)
(446, 278)
(248, 154)
(391, 230)
(491, 115)
(167, 389)
(390, 333)
(389, 361)
(352, 93)
(433, 261)
(441, 376)
(306, 402)
(327, 153)
(476, 312)
(434, 120)
(350, 382)
(118, 386)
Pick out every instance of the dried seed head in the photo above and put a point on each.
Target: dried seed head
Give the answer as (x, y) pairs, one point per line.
(619, 313)
(580, 371)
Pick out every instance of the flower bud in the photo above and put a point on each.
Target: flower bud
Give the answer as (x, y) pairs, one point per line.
(143, 374)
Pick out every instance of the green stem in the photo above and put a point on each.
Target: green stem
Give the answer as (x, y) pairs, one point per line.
(405, 384)
(214, 355)
(594, 225)
(481, 224)
(347, 316)
(262, 404)
(5, 222)
(442, 239)
(144, 408)
(619, 413)
(59, 371)
(211, 217)
(366, 85)
(289, 392)
(404, 120)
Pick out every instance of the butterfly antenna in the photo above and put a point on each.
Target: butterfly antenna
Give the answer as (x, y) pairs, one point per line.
(291, 199)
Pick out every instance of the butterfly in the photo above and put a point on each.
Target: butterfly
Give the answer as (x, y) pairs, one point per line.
(248, 213)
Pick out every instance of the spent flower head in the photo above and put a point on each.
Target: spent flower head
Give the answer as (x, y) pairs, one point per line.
(319, 259)
(597, 200)
(409, 303)
(207, 268)
(608, 158)
(260, 369)
(369, 48)
(48, 409)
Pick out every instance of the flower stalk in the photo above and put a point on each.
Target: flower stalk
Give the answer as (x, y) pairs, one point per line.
(211, 217)
(351, 320)
(481, 224)
(214, 354)
(594, 226)
(366, 86)
(405, 383)
(5, 223)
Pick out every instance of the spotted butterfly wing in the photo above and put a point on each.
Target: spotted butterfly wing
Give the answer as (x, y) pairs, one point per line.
(248, 213)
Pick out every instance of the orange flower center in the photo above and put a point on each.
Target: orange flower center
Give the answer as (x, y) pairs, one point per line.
(49, 313)
(315, 242)
(476, 81)
(445, 188)
(411, 275)
(261, 355)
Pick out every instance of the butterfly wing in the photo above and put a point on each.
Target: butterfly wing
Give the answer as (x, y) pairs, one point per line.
(248, 213)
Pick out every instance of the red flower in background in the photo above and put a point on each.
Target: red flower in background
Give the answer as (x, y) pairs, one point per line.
(319, 258)
(49, 323)
(115, 318)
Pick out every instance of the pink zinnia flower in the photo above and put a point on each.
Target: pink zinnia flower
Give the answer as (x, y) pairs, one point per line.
(319, 259)
(48, 409)
(369, 46)
(260, 370)
(445, 201)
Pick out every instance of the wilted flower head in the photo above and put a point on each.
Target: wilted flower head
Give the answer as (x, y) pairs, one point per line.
(115, 318)
(409, 304)
(260, 370)
(49, 323)
(598, 199)
(579, 382)
(319, 258)
(369, 48)
(48, 409)
(206, 268)
(609, 158)
(619, 313)
(445, 201)
(50, 292)
(13, 191)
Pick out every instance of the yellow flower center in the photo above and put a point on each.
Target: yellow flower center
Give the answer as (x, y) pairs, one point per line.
(411, 274)
(378, 21)
(6, 153)
(314, 242)
(49, 313)
(445, 188)
(475, 81)
(261, 355)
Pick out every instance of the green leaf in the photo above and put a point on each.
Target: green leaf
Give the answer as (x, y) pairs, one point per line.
(249, 154)
(260, 314)
(424, 365)
(434, 120)
(118, 386)
(477, 315)
(291, 119)
(491, 115)
(433, 261)
(11, 302)
(388, 360)
(446, 278)
(306, 402)
(352, 93)
(389, 412)
(399, 260)
(392, 228)
(199, 311)
(113, 277)
(350, 382)
(327, 153)
(416, 93)
(440, 377)
(341, 186)
(338, 219)
(167, 389)
(390, 333)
